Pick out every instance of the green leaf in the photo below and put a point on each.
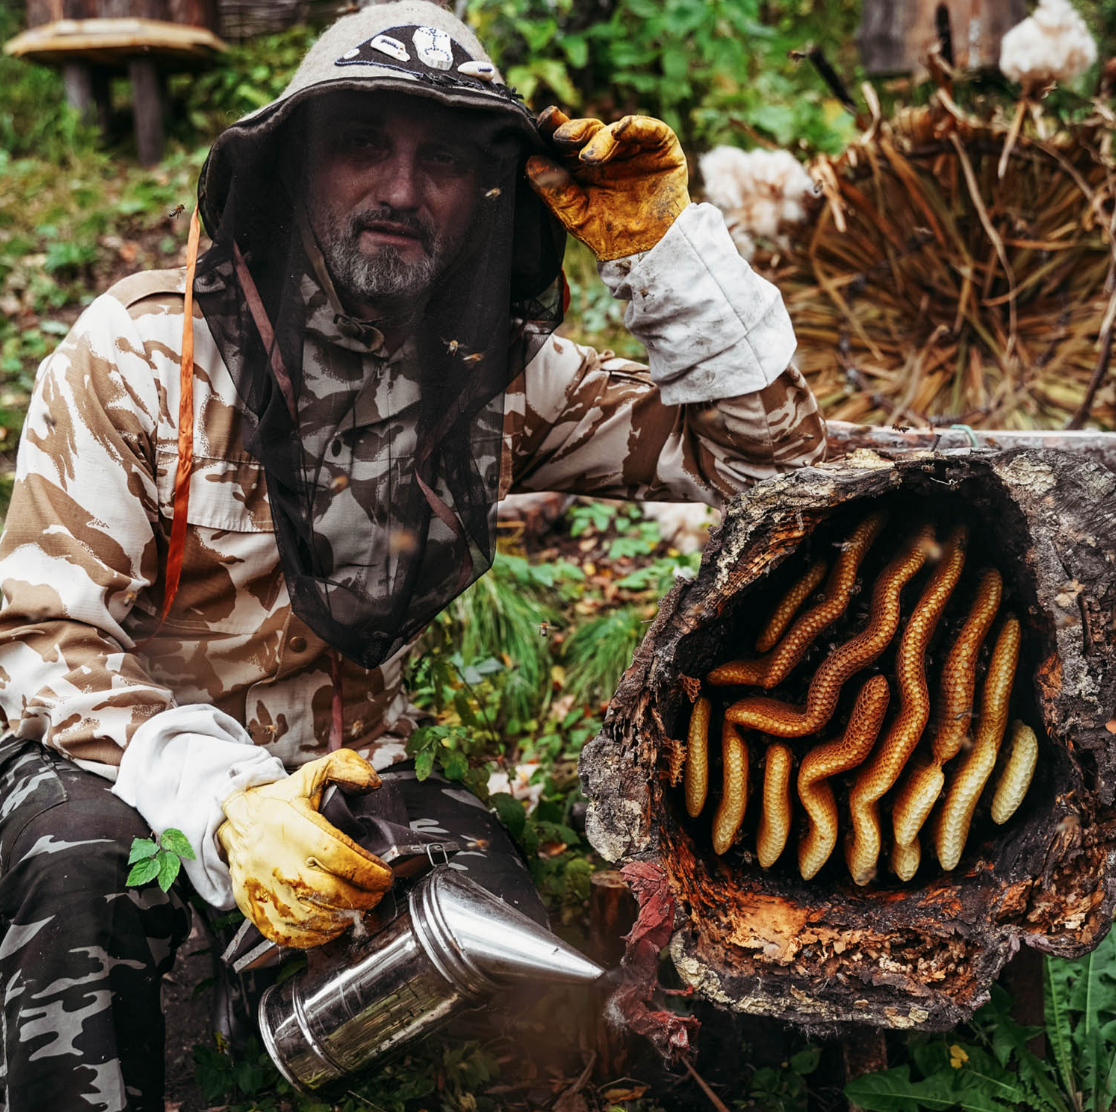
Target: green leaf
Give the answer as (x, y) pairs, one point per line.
(141, 873)
(888, 1091)
(141, 849)
(1058, 1025)
(175, 841)
(806, 1061)
(168, 867)
(455, 765)
(424, 764)
(576, 49)
(510, 812)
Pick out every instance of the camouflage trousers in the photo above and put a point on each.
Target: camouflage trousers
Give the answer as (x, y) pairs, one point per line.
(82, 955)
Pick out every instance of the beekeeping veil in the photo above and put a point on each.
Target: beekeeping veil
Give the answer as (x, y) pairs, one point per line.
(380, 437)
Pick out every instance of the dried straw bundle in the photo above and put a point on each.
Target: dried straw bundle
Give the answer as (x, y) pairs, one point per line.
(931, 287)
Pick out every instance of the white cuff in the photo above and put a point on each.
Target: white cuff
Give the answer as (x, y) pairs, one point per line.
(713, 327)
(178, 769)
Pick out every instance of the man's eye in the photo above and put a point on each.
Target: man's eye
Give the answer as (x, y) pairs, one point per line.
(446, 160)
(364, 141)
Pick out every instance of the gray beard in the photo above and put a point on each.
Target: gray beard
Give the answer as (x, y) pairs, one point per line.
(383, 277)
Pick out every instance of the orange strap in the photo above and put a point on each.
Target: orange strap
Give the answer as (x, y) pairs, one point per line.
(185, 426)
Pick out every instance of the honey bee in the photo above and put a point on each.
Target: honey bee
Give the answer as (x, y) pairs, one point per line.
(451, 345)
(176, 212)
(544, 630)
(476, 357)
(492, 194)
(339, 484)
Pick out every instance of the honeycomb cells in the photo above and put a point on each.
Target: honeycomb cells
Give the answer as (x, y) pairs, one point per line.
(917, 746)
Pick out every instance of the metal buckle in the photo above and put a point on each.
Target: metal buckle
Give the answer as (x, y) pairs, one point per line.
(432, 849)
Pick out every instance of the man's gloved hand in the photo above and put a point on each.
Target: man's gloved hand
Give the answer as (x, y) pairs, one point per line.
(295, 875)
(616, 188)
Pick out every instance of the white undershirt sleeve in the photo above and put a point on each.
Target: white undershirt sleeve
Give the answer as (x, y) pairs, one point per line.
(178, 769)
(712, 326)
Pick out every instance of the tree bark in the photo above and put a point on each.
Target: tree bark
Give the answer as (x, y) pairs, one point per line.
(147, 107)
(826, 953)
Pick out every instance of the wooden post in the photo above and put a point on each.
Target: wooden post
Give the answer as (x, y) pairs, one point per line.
(895, 35)
(612, 912)
(78, 80)
(865, 1051)
(1022, 977)
(147, 107)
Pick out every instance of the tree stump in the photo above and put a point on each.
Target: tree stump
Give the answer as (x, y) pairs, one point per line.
(829, 953)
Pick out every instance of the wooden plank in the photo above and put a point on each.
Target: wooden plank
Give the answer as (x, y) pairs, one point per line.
(114, 41)
(845, 437)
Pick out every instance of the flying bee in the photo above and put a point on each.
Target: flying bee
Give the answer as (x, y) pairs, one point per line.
(492, 194)
(451, 345)
(476, 357)
(544, 630)
(339, 484)
(176, 212)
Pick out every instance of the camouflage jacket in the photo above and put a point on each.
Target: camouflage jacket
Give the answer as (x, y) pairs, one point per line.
(84, 666)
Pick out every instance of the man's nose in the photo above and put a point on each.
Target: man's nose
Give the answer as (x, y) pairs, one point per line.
(399, 184)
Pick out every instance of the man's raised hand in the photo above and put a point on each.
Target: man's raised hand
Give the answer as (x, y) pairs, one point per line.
(616, 187)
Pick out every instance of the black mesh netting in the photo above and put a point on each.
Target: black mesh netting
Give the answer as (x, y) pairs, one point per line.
(380, 435)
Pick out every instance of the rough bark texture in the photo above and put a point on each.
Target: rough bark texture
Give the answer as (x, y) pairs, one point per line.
(826, 953)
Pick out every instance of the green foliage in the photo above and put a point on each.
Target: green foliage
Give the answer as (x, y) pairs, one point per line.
(34, 117)
(784, 1089)
(989, 1066)
(248, 76)
(710, 68)
(159, 859)
(599, 650)
(442, 1074)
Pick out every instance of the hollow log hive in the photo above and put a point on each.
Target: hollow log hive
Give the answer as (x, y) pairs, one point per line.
(872, 742)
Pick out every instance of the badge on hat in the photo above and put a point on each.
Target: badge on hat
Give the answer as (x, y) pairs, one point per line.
(418, 49)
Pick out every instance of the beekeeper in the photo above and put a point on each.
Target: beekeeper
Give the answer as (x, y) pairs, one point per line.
(244, 489)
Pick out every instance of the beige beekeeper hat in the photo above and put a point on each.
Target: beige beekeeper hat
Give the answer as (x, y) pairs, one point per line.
(410, 46)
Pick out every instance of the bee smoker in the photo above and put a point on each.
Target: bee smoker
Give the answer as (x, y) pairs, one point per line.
(439, 944)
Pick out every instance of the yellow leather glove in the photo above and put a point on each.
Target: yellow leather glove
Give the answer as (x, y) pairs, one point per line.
(295, 875)
(616, 188)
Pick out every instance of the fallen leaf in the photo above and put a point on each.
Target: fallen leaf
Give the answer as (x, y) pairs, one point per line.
(1110, 725)
(632, 1093)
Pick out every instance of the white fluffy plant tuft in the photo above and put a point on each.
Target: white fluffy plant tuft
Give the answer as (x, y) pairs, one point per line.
(760, 192)
(1053, 44)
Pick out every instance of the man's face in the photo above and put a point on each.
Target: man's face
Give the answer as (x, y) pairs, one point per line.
(391, 186)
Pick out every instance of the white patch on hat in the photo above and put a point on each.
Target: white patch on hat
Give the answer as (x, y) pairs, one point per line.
(354, 53)
(434, 47)
(485, 71)
(393, 48)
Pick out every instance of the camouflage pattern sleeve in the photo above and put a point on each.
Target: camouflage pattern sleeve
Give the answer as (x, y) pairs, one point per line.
(720, 406)
(79, 544)
(590, 423)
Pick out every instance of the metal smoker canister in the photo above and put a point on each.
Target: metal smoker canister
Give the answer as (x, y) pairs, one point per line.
(453, 947)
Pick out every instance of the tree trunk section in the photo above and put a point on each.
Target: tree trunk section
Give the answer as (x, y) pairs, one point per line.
(827, 953)
(147, 107)
(895, 36)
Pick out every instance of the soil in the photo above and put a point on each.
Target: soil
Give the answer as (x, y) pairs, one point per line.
(188, 1007)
